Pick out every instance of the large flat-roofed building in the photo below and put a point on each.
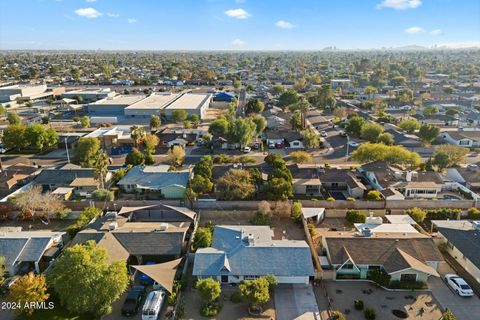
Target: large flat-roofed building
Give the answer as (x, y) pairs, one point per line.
(13, 92)
(90, 94)
(113, 106)
(192, 103)
(153, 104)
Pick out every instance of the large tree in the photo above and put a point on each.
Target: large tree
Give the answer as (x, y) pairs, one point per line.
(201, 184)
(310, 138)
(288, 98)
(150, 141)
(371, 131)
(453, 154)
(85, 280)
(296, 120)
(235, 185)
(278, 189)
(355, 125)
(175, 156)
(254, 105)
(428, 133)
(14, 137)
(135, 158)
(242, 130)
(85, 152)
(38, 137)
(219, 127)
(179, 115)
(260, 123)
(28, 289)
(409, 125)
(155, 122)
(255, 292)
(208, 289)
(394, 155)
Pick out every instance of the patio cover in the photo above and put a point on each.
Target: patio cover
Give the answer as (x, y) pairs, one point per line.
(163, 273)
(126, 209)
(312, 212)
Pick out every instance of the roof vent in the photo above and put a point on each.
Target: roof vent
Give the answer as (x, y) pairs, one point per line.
(366, 232)
(112, 226)
(163, 227)
(111, 215)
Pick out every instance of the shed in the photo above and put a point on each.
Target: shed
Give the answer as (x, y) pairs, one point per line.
(314, 213)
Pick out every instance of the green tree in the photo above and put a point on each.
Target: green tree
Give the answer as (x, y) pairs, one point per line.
(242, 130)
(175, 156)
(219, 127)
(155, 122)
(398, 81)
(235, 185)
(371, 131)
(428, 133)
(85, 121)
(103, 195)
(409, 125)
(355, 216)
(355, 125)
(29, 288)
(441, 160)
(301, 106)
(135, 158)
(374, 195)
(386, 138)
(255, 292)
(13, 118)
(86, 151)
(14, 137)
(137, 133)
(309, 138)
(98, 283)
(451, 112)
(325, 98)
(260, 123)
(204, 167)
(417, 214)
(150, 141)
(393, 155)
(208, 289)
(179, 115)
(38, 137)
(187, 124)
(300, 157)
(296, 212)
(191, 196)
(278, 189)
(254, 105)
(430, 110)
(288, 98)
(149, 159)
(453, 155)
(201, 184)
(296, 120)
(203, 238)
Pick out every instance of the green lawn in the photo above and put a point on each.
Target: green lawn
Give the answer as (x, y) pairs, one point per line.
(58, 313)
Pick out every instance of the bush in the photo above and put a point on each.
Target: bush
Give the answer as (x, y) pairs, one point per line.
(246, 159)
(102, 195)
(370, 314)
(296, 212)
(374, 195)
(408, 285)
(473, 214)
(355, 216)
(236, 297)
(358, 304)
(260, 219)
(330, 199)
(211, 310)
(337, 315)
(350, 199)
(448, 316)
(203, 238)
(443, 214)
(312, 230)
(380, 277)
(222, 158)
(417, 214)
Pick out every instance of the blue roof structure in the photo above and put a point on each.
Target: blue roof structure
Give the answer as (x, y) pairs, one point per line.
(250, 250)
(224, 96)
(155, 177)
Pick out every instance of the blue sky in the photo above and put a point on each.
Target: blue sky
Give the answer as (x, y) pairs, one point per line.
(236, 24)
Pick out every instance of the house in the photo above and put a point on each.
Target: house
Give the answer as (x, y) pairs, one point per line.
(157, 180)
(462, 242)
(285, 138)
(342, 182)
(113, 137)
(179, 137)
(15, 176)
(25, 251)
(305, 179)
(70, 175)
(468, 177)
(138, 234)
(466, 139)
(240, 253)
(275, 121)
(437, 119)
(411, 258)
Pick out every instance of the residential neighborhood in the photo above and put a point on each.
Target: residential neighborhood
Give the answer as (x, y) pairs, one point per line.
(246, 160)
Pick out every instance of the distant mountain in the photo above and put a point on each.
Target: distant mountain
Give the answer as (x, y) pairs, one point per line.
(412, 47)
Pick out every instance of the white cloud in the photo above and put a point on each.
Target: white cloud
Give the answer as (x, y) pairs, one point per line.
(460, 45)
(237, 42)
(284, 24)
(238, 13)
(90, 0)
(399, 4)
(88, 13)
(414, 30)
(131, 20)
(113, 15)
(436, 32)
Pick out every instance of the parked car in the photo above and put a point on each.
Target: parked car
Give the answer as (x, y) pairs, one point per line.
(133, 301)
(458, 285)
(323, 134)
(246, 150)
(153, 305)
(144, 279)
(271, 145)
(343, 133)
(353, 144)
(279, 145)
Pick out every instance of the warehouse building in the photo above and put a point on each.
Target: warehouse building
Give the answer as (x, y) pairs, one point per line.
(90, 94)
(113, 106)
(153, 104)
(192, 103)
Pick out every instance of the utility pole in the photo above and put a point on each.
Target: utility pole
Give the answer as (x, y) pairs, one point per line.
(346, 156)
(66, 148)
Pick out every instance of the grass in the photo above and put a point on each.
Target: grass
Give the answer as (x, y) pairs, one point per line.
(58, 313)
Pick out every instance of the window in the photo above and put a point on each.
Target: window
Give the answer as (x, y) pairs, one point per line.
(408, 277)
(249, 277)
(347, 266)
(373, 267)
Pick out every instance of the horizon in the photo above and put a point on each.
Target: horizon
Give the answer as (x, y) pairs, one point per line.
(238, 25)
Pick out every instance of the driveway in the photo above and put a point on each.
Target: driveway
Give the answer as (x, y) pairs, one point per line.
(296, 301)
(462, 307)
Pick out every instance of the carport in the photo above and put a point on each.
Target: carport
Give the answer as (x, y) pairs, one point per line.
(318, 214)
(162, 273)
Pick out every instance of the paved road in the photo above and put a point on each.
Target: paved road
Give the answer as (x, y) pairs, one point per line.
(462, 308)
(296, 301)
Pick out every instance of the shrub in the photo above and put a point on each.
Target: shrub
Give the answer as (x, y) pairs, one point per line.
(330, 199)
(102, 195)
(473, 214)
(337, 315)
(350, 199)
(211, 310)
(358, 304)
(203, 238)
(296, 212)
(443, 214)
(260, 219)
(417, 214)
(246, 159)
(448, 316)
(408, 285)
(236, 297)
(355, 216)
(380, 277)
(370, 314)
(221, 158)
(374, 195)
(312, 230)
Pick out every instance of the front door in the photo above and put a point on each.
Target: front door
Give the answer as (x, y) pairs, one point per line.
(224, 279)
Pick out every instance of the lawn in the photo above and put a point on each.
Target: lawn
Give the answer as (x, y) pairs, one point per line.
(58, 313)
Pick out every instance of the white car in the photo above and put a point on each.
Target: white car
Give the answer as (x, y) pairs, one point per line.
(353, 144)
(247, 149)
(458, 285)
(323, 134)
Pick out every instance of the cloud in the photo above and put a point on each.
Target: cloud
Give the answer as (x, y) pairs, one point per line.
(90, 0)
(238, 43)
(238, 14)
(131, 20)
(284, 24)
(88, 13)
(436, 32)
(414, 30)
(460, 45)
(399, 4)
(113, 15)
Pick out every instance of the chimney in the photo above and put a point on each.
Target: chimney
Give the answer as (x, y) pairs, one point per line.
(249, 239)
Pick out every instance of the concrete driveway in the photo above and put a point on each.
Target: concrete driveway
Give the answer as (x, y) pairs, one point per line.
(462, 307)
(296, 301)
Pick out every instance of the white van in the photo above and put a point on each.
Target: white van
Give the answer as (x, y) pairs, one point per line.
(153, 305)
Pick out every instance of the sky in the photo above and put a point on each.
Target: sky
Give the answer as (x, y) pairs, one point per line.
(237, 24)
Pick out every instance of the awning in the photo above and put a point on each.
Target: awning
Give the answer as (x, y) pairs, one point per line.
(312, 212)
(163, 273)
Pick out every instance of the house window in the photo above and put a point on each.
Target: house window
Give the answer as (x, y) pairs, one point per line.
(334, 184)
(347, 266)
(249, 277)
(374, 267)
(408, 277)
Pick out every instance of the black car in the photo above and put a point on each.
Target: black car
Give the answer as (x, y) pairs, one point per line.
(133, 301)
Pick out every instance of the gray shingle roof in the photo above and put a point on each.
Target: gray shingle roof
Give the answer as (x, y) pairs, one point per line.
(11, 248)
(231, 254)
(466, 241)
(154, 180)
(34, 249)
(62, 176)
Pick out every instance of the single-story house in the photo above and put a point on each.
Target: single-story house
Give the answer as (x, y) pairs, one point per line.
(410, 259)
(466, 139)
(26, 251)
(469, 176)
(240, 253)
(156, 179)
(462, 242)
(305, 179)
(342, 180)
(70, 175)
(15, 176)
